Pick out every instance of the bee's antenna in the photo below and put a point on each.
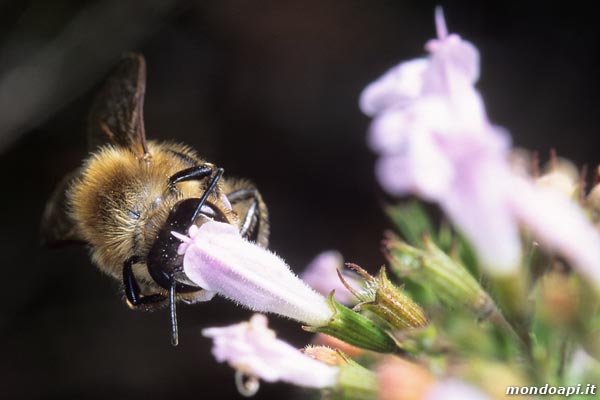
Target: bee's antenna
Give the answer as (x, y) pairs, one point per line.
(211, 186)
(173, 309)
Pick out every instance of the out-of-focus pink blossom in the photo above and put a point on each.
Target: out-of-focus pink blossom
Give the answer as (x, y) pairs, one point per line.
(440, 145)
(219, 260)
(399, 87)
(321, 275)
(252, 348)
(560, 224)
(453, 389)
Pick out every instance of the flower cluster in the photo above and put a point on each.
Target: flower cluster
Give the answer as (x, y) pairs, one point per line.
(471, 307)
(435, 140)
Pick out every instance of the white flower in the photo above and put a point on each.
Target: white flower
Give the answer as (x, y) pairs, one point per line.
(252, 348)
(219, 260)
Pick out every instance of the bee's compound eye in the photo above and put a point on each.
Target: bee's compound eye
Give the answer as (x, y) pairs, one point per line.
(182, 213)
(180, 217)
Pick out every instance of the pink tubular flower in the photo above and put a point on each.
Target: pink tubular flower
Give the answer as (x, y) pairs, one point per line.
(220, 261)
(252, 348)
(434, 139)
(321, 275)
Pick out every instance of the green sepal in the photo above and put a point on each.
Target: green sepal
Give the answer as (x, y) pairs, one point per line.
(355, 329)
(355, 382)
(432, 268)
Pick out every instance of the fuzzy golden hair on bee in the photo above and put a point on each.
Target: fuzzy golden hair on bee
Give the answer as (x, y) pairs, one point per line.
(130, 194)
(120, 202)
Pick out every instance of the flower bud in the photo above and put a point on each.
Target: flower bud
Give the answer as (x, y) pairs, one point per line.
(432, 268)
(354, 382)
(326, 355)
(561, 176)
(559, 299)
(387, 301)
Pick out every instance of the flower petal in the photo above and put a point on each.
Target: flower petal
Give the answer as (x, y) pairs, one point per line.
(396, 88)
(477, 206)
(387, 134)
(220, 260)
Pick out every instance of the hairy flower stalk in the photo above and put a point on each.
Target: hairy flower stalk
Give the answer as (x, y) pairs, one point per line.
(220, 261)
(434, 139)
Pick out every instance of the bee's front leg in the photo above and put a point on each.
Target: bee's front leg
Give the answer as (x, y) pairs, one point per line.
(199, 172)
(133, 293)
(195, 173)
(135, 298)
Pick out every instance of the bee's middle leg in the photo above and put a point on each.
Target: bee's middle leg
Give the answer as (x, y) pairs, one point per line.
(248, 203)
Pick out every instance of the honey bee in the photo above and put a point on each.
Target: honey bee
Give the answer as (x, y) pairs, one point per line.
(130, 194)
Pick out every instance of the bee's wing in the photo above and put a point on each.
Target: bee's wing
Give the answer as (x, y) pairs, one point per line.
(57, 227)
(117, 115)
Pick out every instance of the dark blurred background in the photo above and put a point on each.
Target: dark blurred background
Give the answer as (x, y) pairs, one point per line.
(268, 90)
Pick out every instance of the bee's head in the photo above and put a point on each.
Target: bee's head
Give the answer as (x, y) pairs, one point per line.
(164, 263)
